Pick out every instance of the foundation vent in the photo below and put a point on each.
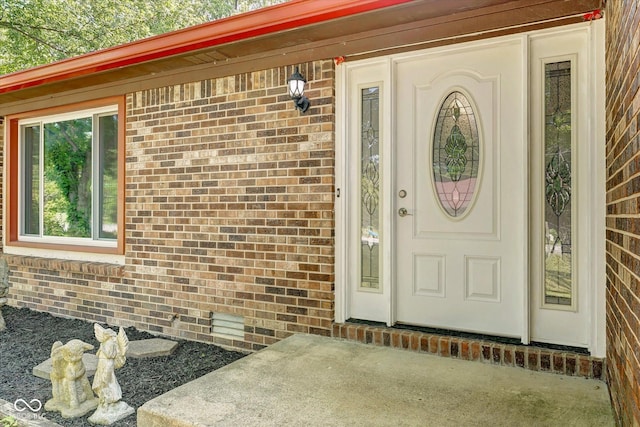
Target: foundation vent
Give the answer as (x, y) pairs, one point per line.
(227, 326)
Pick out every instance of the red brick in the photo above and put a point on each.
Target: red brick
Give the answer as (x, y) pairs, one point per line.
(508, 357)
(445, 347)
(464, 350)
(475, 351)
(424, 343)
(415, 342)
(558, 363)
(396, 339)
(433, 344)
(533, 358)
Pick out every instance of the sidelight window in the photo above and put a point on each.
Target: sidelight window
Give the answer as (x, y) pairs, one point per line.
(370, 188)
(558, 184)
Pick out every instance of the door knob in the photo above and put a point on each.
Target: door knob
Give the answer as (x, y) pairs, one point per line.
(403, 212)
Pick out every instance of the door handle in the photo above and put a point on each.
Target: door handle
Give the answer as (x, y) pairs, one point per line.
(403, 212)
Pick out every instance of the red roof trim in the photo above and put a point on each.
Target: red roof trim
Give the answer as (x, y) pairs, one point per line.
(285, 16)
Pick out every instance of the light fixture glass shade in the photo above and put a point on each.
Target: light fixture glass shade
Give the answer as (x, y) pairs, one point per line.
(296, 84)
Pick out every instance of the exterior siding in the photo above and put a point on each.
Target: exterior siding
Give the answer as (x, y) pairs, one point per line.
(623, 222)
(229, 209)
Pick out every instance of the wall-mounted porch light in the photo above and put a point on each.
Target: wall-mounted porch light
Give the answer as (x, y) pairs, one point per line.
(296, 90)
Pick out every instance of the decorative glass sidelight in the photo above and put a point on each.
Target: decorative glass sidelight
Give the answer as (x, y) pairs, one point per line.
(370, 188)
(456, 154)
(557, 187)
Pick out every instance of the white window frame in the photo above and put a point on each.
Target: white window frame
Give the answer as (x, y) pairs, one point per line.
(95, 240)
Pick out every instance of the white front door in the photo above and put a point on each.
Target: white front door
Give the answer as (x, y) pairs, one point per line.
(471, 188)
(461, 189)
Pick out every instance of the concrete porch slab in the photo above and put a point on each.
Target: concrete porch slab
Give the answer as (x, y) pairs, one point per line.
(317, 381)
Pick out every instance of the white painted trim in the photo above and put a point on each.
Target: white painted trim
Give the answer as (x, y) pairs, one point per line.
(388, 191)
(526, 300)
(598, 185)
(393, 191)
(342, 192)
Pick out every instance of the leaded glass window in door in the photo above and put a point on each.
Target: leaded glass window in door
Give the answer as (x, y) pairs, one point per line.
(456, 154)
(370, 188)
(558, 184)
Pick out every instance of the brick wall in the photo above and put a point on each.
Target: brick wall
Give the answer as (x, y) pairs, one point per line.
(623, 222)
(229, 209)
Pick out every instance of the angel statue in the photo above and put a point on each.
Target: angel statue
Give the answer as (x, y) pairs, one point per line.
(111, 356)
(72, 395)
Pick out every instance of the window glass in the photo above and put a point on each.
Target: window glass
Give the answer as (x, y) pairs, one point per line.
(31, 180)
(557, 158)
(70, 177)
(370, 188)
(108, 176)
(67, 178)
(456, 154)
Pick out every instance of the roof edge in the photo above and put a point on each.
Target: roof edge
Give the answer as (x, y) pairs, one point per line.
(273, 19)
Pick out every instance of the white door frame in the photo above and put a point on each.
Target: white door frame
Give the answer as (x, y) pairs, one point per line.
(344, 189)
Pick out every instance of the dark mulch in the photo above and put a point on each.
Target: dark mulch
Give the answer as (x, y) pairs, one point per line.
(27, 342)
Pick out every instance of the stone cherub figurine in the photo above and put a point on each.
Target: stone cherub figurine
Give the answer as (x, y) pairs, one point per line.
(4, 289)
(111, 356)
(72, 395)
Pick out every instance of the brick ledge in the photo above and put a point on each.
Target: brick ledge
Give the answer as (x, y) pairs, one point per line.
(98, 268)
(522, 356)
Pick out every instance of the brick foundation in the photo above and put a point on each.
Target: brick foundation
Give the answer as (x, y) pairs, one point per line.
(520, 356)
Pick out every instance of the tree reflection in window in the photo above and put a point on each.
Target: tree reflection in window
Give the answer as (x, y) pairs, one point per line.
(68, 191)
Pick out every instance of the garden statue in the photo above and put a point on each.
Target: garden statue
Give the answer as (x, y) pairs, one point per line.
(4, 288)
(111, 356)
(72, 395)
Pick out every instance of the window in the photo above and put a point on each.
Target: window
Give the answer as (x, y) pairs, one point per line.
(456, 154)
(370, 188)
(558, 187)
(65, 175)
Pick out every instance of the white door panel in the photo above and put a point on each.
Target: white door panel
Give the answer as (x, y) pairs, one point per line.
(463, 272)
